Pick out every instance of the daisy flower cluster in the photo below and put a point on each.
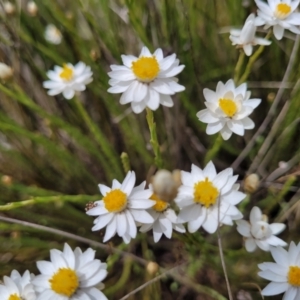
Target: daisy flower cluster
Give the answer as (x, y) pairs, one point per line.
(201, 199)
(69, 275)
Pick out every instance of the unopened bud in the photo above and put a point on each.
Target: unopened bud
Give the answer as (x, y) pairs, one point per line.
(6, 72)
(152, 267)
(6, 180)
(164, 185)
(32, 8)
(251, 183)
(9, 8)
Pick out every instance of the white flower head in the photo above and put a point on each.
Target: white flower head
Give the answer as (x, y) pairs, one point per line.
(284, 273)
(147, 80)
(17, 287)
(228, 109)
(258, 232)
(280, 14)
(70, 275)
(165, 219)
(68, 79)
(121, 207)
(201, 195)
(52, 34)
(245, 38)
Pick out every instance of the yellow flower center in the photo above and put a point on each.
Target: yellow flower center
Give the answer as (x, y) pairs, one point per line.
(228, 106)
(294, 276)
(67, 73)
(145, 68)
(14, 297)
(65, 282)
(282, 10)
(205, 193)
(159, 205)
(115, 200)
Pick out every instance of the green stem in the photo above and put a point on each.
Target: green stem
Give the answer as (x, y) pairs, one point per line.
(100, 138)
(238, 67)
(58, 198)
(252, 60)
(153, 140)
(211, 153)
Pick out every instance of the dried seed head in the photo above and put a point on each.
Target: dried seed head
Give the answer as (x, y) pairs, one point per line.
(9, 8)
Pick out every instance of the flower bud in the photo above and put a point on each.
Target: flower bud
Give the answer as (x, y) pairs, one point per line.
(6, 72)
(152, 267)
(251, 183)
(32, 8)
(9, 8)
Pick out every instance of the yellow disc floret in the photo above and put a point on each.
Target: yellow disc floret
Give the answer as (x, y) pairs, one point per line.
(64, 282)
(282, 10)
(205, 193)
(294, 276)
(67, 73)
(14, 297)
(159, 205)
(145, 69)
(115, 200)
(228, 106)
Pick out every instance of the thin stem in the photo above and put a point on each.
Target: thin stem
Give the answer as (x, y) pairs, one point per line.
(211, 153)
(153, 140)
(238, 66)
(272, 110)
(252, 60)
(222, 255)
(223, 264)
(75, 237)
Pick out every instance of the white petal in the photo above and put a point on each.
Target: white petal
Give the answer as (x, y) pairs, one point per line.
(278, 31)
(275, 288)
(250, 245)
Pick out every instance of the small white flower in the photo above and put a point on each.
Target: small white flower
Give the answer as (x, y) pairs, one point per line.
(121, 207)
(147, 80)
(258, 232)
(17, 287)
(70, 275)
(68, 79)
(203, 192)
(280, 14)
(165, 219)
(52, 34)
(246, 38)
(284, 273)
(228, 109)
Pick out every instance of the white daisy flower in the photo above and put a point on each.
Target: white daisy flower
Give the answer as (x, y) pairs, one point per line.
(68, 79)
(258, 232)
(165, 219)
(17, 287)
(280, 14)
(52, 34)
(147, 80)
(121, 207)
(245, 38)
(284, 273)
(228, 109)
(70, 275)
(203, 192)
